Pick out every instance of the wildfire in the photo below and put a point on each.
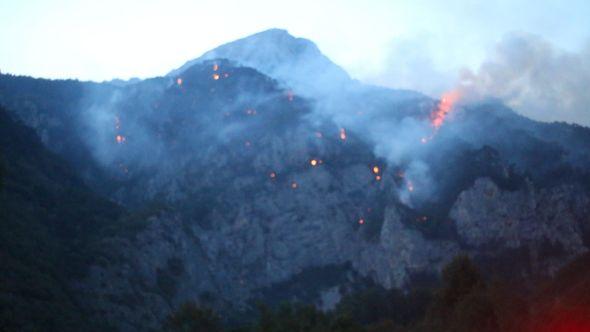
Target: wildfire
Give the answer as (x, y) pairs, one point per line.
(313, 162)
(342, 134)
(410, 186)
(179, 81)
(215, 76)
(445, 106)
(120, 139)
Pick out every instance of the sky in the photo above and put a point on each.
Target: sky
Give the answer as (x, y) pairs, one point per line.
(418, 44)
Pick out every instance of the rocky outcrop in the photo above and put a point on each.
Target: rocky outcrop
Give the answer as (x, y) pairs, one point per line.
(549, 222)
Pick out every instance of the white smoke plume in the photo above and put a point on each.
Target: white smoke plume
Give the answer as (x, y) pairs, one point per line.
(535, 78)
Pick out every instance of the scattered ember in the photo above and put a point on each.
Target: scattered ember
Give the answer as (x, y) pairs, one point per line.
(294, 185)
(378, 178)
(313, 162)
(361, 221)
(215, 67)
(342, 134)
(120, 139)
(215, 76)
(376, 169)
(179, 81)
(272, 175)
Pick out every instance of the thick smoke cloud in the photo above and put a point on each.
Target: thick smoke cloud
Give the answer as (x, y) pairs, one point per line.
(536, 79)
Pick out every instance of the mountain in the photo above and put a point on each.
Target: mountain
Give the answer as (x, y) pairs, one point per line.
(237, 178)
(297, 63)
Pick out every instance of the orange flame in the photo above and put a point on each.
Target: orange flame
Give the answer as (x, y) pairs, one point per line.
(445, 106)
(342, 134)
(376, 169)
(120, 139)
(313, 162)
(216, 76)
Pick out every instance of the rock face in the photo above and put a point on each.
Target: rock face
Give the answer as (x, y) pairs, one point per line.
(488, 218)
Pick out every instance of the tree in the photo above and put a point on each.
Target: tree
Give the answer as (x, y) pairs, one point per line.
(192, 318)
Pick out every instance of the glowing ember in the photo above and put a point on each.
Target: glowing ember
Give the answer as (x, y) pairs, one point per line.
(294, 185)
(215, 67)
(361, 221)
(179, 81)
(378, 178)
(272, 175)
(120, 139)
(342, 134)
(313, 162)
(376, 169)
(215, 76)
(445, 106)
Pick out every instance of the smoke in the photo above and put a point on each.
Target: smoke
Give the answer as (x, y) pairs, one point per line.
(535, 78)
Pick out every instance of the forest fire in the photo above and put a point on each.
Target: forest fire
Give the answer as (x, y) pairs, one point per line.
(445, 106)
(343, 134)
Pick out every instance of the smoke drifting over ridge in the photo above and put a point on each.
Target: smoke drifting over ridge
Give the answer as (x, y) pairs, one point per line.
(536, 79)
(525, 71)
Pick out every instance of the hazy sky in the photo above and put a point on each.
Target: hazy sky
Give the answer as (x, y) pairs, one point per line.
(373, 40)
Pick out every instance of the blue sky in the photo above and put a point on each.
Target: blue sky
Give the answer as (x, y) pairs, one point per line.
(101, 40)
